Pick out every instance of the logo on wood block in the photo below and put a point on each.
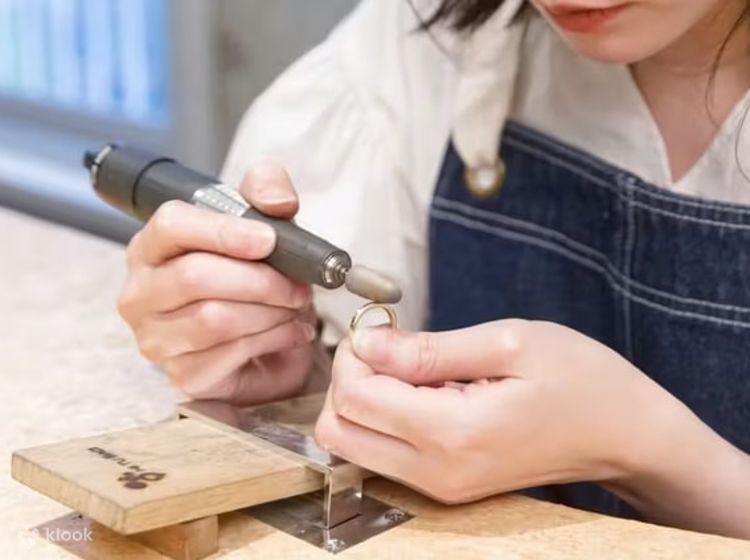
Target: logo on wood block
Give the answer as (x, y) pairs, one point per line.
(139, 481)
(135, 477)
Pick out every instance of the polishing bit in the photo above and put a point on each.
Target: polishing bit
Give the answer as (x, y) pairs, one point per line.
(372, 285)
(137, 182)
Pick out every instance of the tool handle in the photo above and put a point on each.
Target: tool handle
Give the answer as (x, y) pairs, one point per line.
(139, 182)
(303, 255)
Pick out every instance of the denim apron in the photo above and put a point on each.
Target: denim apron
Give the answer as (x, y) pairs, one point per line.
(661, 278)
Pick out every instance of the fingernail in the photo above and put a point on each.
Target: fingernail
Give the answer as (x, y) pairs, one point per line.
(310, 332)
(371, 344)
(272, 197)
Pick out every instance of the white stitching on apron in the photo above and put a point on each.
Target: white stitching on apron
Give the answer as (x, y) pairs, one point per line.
(586, 262)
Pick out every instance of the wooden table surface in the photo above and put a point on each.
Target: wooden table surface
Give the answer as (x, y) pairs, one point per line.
(69, 368)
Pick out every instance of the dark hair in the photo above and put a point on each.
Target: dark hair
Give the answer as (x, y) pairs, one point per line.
(463, 15)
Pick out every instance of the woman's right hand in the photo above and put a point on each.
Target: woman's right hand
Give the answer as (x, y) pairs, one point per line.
(221, 324)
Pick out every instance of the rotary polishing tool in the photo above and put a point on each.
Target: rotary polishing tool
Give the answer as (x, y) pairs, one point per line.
(138, 182)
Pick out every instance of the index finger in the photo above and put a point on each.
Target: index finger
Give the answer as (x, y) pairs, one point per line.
(177, 228)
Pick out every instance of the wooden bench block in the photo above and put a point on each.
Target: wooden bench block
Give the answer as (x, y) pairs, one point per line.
(146, 478)
(191, 540)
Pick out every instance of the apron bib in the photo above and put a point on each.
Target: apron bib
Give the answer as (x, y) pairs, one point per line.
(661, 278)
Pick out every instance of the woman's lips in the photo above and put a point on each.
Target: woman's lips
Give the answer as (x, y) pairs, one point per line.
(583, 20)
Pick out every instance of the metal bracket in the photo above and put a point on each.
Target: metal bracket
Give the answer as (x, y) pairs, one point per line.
(318, 516)
(292, 516)
(342, 490)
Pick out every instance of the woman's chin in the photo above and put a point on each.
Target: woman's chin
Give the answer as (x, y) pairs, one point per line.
(611, 48)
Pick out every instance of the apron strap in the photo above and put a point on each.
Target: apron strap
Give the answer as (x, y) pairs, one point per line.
(489, 63)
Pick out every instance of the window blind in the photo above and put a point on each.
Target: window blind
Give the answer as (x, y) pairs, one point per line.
(105, 57)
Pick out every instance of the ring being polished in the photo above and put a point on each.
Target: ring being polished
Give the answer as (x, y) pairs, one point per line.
(373, 306)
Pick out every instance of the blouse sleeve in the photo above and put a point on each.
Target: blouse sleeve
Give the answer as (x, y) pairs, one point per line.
(342, 120)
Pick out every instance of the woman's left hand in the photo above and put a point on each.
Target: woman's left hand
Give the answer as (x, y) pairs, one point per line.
(542, 404)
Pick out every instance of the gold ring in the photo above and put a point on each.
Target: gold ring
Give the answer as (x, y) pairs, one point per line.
(362, 311)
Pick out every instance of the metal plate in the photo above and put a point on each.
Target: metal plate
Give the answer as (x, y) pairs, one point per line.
(293, 515)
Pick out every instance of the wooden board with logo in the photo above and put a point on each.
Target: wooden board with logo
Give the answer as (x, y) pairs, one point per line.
(145, 478)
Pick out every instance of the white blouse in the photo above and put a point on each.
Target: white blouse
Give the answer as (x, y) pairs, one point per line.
(362, 121)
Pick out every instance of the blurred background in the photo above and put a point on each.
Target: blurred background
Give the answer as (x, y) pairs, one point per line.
(174, 76)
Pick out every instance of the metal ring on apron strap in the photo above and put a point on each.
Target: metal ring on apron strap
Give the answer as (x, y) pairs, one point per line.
(485, 180)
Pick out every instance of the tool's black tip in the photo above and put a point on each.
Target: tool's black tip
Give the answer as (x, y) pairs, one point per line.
(88, 159)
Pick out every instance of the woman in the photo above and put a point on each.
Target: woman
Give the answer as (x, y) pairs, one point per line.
(560, 190)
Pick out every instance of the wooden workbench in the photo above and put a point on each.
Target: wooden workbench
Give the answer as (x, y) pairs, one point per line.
(69, 368)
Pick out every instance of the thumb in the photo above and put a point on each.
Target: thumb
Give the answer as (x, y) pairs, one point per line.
(268, 188)
(424, 358)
